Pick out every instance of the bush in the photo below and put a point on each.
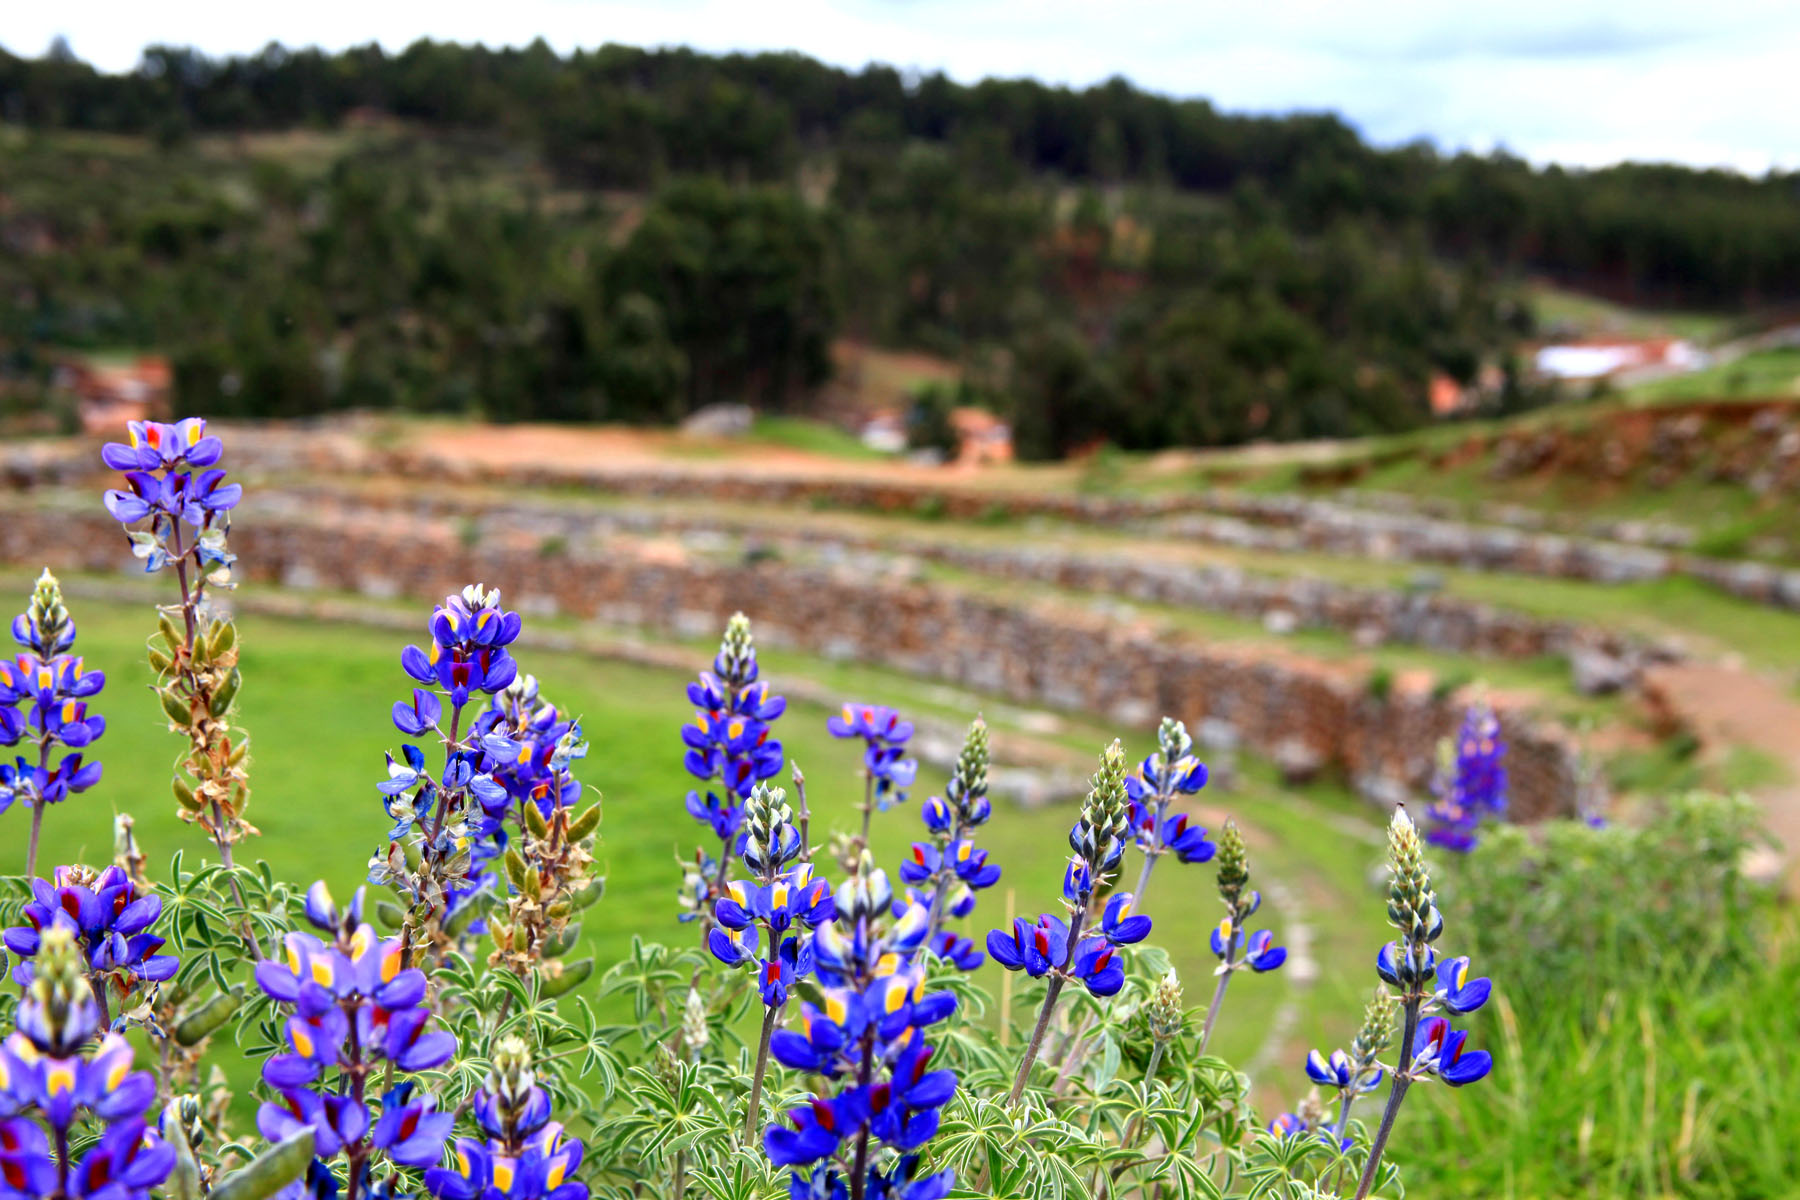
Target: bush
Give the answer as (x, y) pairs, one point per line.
(1642, 985)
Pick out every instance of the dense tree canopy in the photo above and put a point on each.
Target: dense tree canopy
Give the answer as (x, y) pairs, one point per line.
(628, 234)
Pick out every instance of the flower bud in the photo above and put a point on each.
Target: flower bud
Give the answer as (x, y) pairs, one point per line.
(1166, 1014)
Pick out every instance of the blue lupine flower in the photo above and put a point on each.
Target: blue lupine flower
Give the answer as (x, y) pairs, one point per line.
(960, 952)
(884, 734)
(469, 636)
(1471, 785)
(1259, 955)
(946, 873)
(1401, 966)
(870, 1029)
(1121, 926)
(1440, 1050)
(1032, 948)
(729, 741)
(1099, 967)
(109, 916)
(1338, 1071)
(1456, 991)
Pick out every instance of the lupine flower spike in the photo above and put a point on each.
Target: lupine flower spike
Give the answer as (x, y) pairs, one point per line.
(869, 1036)
(1428, 1045)
(110, 917)
(764, 923)
(448, 827)
(730, 749)
(1471, 782)
(176, 510)
(354, 1014)
(44, 694)
(1054, 948)
(1259, 954)
(53, 1069)
(524, 1155)
(945, 873)
(1170, 772)
(886, 775)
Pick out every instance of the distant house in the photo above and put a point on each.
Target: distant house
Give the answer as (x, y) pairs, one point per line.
(1607, 357)
(981, 437)
(884, 430)
(107, 396)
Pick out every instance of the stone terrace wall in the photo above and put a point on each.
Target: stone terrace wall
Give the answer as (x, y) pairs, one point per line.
(1306, 715)
(1372, 616)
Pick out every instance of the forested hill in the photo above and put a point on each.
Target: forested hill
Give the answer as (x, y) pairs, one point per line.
(625, 117)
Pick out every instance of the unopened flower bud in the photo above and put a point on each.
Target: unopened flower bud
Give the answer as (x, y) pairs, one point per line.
(1166, 1014)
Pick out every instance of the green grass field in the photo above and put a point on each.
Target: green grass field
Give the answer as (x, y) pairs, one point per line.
(316, 700)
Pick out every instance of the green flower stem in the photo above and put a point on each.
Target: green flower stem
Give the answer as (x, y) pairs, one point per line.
(1051, 993)
(1396, 1094)
(762, 1068)
(1212, 1012)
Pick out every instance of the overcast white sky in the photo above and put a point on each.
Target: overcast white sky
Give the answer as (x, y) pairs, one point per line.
(1574, 81)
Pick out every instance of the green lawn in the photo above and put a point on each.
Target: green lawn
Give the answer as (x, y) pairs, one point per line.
(316, 699)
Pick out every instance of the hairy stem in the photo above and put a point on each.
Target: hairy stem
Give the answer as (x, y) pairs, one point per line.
(762, 1067)
(1396, 1093)
(37, 813)
(1219, 999)
(1051, 992)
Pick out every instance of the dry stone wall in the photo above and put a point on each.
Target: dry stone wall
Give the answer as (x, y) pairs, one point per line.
(1307, 715)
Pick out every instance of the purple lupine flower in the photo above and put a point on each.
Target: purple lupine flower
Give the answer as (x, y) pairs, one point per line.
(1170, 772)
(1471, 784)
(783, 904)
(524, 1155)
(109, 916)
(170, 480)
(514, 748)
(47, 1069)
(352, 983)
(44, 693)
(884, 734)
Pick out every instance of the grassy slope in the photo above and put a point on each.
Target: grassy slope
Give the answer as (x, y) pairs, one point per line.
(316, 699)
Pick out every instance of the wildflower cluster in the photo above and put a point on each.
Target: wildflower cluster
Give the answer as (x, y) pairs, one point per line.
(523, 1154)
(1470, 785)
(1170, 771)
(1351, 1075)
(44, 694)
(52, 1083)
(355, 1010)
(868, 1038)
(531, 749)
(109, 916)
(945, 873)
(730, 749)
(448, 828)
(1429, 1046)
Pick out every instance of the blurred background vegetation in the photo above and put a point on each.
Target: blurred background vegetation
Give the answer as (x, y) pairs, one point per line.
(630, 235)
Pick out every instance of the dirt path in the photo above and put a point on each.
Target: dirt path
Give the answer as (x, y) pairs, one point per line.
(1728, 706)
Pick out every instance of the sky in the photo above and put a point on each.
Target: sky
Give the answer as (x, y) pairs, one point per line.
(1580, 82)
